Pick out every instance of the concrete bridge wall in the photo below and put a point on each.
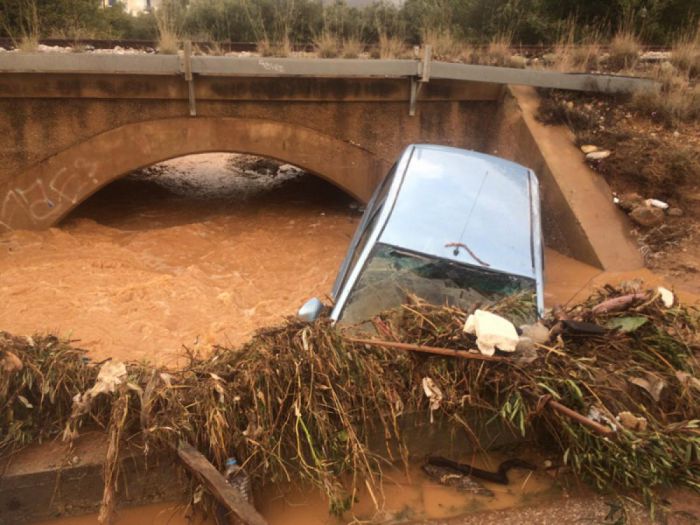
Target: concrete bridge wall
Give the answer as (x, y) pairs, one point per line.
(63, 136)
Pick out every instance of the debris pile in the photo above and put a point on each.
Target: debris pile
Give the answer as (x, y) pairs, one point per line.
(610, 387)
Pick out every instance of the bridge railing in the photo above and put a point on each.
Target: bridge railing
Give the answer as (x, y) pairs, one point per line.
(420, 69)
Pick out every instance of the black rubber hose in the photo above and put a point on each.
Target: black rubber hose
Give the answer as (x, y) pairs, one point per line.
(501, 476)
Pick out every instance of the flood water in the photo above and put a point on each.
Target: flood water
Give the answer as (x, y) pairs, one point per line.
(201, 251)
(206, 255)
(406, 497)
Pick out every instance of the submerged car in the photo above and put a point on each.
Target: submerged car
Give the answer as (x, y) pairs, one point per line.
(448, 225)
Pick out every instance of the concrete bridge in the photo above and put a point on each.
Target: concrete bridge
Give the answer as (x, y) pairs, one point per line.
(70, 124)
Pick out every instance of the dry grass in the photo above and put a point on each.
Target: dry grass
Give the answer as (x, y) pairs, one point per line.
(391, 46)
(444, 44)
(670, 107)
(168, 33)
(327, 45)
(685, 54)
(677, 100)
(497, 53)
(573, 56)
(353, 47)
(28, 41)
(282, 48)
(624, 50)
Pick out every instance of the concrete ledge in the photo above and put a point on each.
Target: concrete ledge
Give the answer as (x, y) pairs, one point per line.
(52, 480)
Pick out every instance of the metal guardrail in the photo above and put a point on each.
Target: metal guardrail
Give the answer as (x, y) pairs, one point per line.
(77, 63)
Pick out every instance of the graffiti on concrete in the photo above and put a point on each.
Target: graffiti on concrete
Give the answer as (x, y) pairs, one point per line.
(41, 200)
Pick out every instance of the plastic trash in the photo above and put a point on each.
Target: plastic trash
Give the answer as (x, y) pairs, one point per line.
(656, 203)
(598, 155)
(667, 296)
(492, 331)
(238, 478)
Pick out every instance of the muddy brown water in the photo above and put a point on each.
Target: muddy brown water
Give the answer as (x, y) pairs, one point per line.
(406, 496)
(206, 256)
(202, 253)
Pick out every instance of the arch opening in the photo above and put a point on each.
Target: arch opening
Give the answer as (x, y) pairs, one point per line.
(42, 195)
(195, 251)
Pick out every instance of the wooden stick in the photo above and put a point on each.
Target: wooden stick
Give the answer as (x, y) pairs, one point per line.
(618, 303)
(427, 349)
(227, 495)
(562, 409)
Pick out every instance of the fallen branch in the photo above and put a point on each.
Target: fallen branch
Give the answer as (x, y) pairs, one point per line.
(618, 303)
(227, 495)
(572, 414)
(427, 349)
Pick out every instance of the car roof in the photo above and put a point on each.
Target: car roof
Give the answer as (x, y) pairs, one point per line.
(452, 202)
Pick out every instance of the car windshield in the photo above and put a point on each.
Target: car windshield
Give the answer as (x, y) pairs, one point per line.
(392, 273)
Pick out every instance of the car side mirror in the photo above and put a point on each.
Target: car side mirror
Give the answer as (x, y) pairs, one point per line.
(311, 310)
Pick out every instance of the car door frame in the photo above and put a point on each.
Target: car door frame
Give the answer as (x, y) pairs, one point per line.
(347, 276)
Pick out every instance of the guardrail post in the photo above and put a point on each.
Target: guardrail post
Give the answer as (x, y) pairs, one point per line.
(416, 83)
(189, 78)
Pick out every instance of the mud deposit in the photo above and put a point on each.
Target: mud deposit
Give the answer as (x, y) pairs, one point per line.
(198, 252)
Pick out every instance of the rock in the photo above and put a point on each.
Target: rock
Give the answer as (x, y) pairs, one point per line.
(589, 148)
(632, 422)
(675, 212)
(655, 56)
(647, 216)
(598, 155)
(518, 61)
(667, 68)
(629, 201)
(549, 58)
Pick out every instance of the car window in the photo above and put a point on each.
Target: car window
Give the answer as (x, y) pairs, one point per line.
(373, 211)
(390, 274)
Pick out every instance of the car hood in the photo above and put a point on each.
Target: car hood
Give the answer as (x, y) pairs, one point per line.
(467, 207)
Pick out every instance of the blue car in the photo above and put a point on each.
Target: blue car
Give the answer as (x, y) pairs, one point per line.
(449, 225)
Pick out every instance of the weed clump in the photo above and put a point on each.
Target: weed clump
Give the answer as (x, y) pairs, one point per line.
(624, 50)
(444, 44)
(390, 47)
(685, 54)
(353, 47)
(327, 45)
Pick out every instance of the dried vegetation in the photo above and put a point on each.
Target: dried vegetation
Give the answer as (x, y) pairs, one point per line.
(300, 402)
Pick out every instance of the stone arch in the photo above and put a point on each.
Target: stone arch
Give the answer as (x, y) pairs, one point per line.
(43, 194)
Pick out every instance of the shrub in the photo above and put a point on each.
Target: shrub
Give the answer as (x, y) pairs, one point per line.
(327, 45)
(352, 47)
(391, 46)
(624, 50)
(497, 53)
(685, 54)
(444, 43)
